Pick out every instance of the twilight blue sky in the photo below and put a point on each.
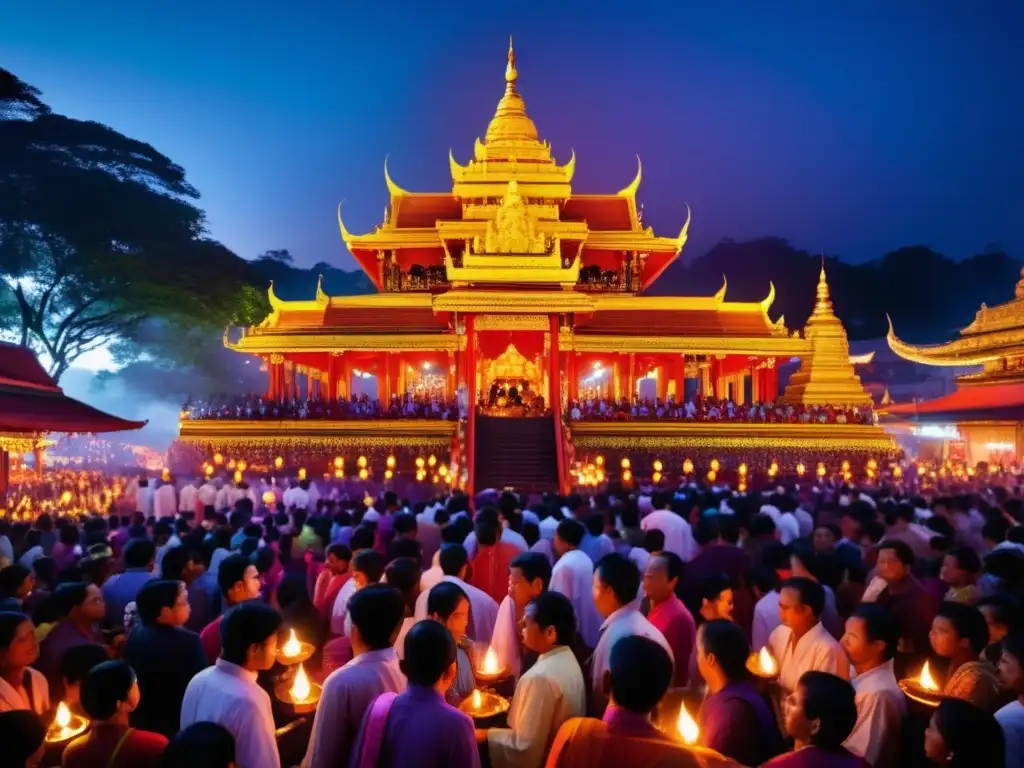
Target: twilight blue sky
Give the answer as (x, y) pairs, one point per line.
(853, 126)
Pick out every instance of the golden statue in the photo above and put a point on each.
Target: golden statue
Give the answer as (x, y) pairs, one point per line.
(513, 229)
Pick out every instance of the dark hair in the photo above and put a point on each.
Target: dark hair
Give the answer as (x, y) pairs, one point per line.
(370, 563)
(247, 624)
(444, 598)
(533, 565)
(762, 577)
(641, 671)
(232, 570)
(104, 686)
(174, 562)
(201, 745)
(966, 559)
(404, 574)
(340, 551)
(404, 523)
(376, 611)
(1014, 645)
(1007, 610)
(9, 623)
(621, 574)
(12, 577)
(654, 540)
(968, 622)
(138, 553)
(879, 624)
(830, 700)
(21, 733)
(728, 643)
(972, 735)
(553, 609)
(69, 596)
(429, 652)
(812, 594)
(899, 548)
(154, 596)
(362, 538)
(79, 659)
(713, 585)
(571, 531)
(452, 559)
(487, 527)
(673, 564)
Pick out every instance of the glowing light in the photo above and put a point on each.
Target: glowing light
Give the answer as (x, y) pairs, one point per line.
(599, 460)
(715, 465)
(63, 717)
(218, 458)
(442, 470)
(845, 466)
(821, 469)
(435, 479)
(339, 474)
(390, 462)
(687, 726)
(656, 478)
(477, 702)
(238, 477)
(742, 469)
(269, 498)
(363, 474)
(432, 461)
(241, 466)
(361, 462)
(421, 475)
(872, 464)
(921, 471)
(897, 472)
(925, 679)
(687, 467)
(301, 688)
(302, 473)
(293, 647)
(278, 462)
(766, 663)
(490, 665)
(420, 463)
(800, 469)
(658, 465)
(712, 475)
(1001, 447)
(627, 476)
(65, 498)
(625, 464)
(339, 462)
(773, 470)
(388, 474)
(232, 464)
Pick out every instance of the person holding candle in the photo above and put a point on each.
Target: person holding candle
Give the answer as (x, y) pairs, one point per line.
(961, 735)
(448, 604)
(573, 576)
(21, 686)
(870, 640)
(908, 600)
(75, 665)
(959, 634)
(110, 693)
(228, 694)
(668, 613)
(551, 692)
(239, 582)
(376, 614)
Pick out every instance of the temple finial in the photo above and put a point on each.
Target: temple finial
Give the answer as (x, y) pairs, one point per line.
(510, 68)
(824, 303)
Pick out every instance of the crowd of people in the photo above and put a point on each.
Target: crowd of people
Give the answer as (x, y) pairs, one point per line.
(608, 616)
(408, 406)
(712, 409)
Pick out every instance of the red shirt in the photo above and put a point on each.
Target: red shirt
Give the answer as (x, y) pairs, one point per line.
(676, 623)
(211, 640)
(326, 592)
(489, 569)
(140, 749)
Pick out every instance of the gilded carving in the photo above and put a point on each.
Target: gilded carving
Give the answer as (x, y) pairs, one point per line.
(276, 359)
(512, 322)
(513, 229)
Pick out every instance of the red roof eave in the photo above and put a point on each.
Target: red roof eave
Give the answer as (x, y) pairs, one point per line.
(28, 412)
(966, 399)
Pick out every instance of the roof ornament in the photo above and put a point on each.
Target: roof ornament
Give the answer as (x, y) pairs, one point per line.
(720, 295)
(393, 189)
(570, 167)
(684, 232)
(510, 69)
(1019, 291)
(345, 234)
(824, 302)
(275, 302)
(321, 296)
(768, 300)
(634, 185)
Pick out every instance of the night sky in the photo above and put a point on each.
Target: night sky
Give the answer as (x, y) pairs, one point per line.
(849, 126)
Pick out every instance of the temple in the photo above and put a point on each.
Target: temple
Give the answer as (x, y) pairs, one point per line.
(983, 419)
(515, 296)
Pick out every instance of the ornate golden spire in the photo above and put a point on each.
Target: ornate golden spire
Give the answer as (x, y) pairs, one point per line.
(823, 306)
(510, 123)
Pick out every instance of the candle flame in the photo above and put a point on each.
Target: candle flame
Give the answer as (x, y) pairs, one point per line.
(767, 663)
(687, 726)
(477, 701)
(490, 666)
(300, 688)
(63, 717)
(926, 680)
(292, 647)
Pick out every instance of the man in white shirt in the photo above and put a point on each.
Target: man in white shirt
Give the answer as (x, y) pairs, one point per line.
(573, 576)
(144, 498)
(367, 568)
(1011, 717)
(483, 608)
(678, 533)
(802, 643)
(187, 497)
(227, 693)
(616, 583)
(551, 692)
(208, 493)
(870, 641)
(165, 500)
(297, 495)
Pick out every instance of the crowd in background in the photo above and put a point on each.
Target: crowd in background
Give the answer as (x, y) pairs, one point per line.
(715, 409)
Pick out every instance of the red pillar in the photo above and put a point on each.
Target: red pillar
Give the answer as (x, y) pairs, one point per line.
(681, 379)
(572, 372)
(771, 378)
(469, 374)
(332, 390)
(554, 369)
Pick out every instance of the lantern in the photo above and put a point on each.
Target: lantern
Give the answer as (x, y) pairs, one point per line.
(872, 464)
(269, 498)
(845, 466)
(218, 458)
(656, 478)
(712, 475)
(388, 474)
(800, 469)
(339, 463)
(715, 465)
(897, 471)
(361, 462)
(627, 476)
(657, 466)
(363, 473)
(232, 463)
(339, 474)
(443, 470)
(821, 469)
(390, 462)
(599, 460)
(420, 463)
(238, 477)
(278, 462)
(742, 470)
(625, 463)
(432, 461)
(421, 475)
(241, 465)
(302, 473)
(687, 467)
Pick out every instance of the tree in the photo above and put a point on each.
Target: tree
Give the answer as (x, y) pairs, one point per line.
(99, 235)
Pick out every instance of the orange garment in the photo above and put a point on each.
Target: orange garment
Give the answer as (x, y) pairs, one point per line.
(489, 569)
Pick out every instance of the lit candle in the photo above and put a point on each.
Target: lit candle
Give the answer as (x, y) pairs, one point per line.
(292, 648)
(687, 726)
(300, 687)
(477, 701)
(926, 681)
(767, 663)
(490, 666)
(65, 725)
(302, 694)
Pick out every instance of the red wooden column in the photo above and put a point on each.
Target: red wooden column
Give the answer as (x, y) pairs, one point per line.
(715, 374)
(680, 374)
(554, 369)
(573, 373)
(469, 376)
(771, 377)
(332, 390)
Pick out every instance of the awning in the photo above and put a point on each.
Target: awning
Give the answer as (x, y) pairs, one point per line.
(1005, 401)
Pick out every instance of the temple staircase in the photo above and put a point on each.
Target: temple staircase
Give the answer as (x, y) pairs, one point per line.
(517, 452)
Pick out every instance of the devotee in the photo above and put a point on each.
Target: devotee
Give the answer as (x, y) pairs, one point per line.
(616, 582)
(404, 575)
(801, 644)
(21, 686)
(110, 694)
(678, 534)
(961, 568)
(596, 543)
(959, 634)
(907, 600)
(239, 582)
(716, 598)
(376, 613)
(551, 692)
(331, 579)
(484, 608)
(23, 735)
(870, 640)
(734, 719)
(720, 553)
(776, 558)
(808, 564)
(164, 655)
(819, 715)
(1011, 716)
(449, 605)
(416, 727)
(1003, 616)
(16, 583)
(573, 577)
(74, 667)
(961, 735)
(489, 566)
(900, 528)
(121, 588)
(667, 612)
(81, 608)
(367, 568)
(201, 745)
(228, 694)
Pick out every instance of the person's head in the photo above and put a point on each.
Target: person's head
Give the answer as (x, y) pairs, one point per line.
(139, 553)
(238, 579)
(248, 635)
(429, 658)
(16, 581)
(487, 526)
(201, 745)
(1011, 664)
(722, 651)
(961, 567)
(338, 558)
(453, 560)
(376, 612)
(18, 645)
(548, 621)
(367, 567)
(895, 560)
(404, 525)
(616, 583)
(1002, 614)
(448, 604)
(661, 576)
(638, 675)
(778, 557)
(75, 665)
(958, 628)
(80, 601)
(181, 564)
(22, 733)
(654, 540)
(568, 535)
(871, 637)
(163, 602)
(961, 735)
(528, 576)
(110, 691)
(801, 602)
(404, 574)
(716, 597)
(821, 711)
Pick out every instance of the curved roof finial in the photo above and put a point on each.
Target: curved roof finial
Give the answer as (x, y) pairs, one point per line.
(768, 300)
(684, 232)
(570, 167)
(275, 302)
(393, 189)
(345, 234)
(456, 169)
(321, 296)
(720, 295)
(634, 185)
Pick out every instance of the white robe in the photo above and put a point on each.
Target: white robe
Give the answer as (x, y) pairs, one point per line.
(339, 613)
(11, 700)
(573, 576)
(881, 707)
(624, 622)
(678, 534)
(816, 650)
(505, 640)
(483, 610)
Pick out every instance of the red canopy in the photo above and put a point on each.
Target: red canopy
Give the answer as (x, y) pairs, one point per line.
(31, 402)
(1005, 400)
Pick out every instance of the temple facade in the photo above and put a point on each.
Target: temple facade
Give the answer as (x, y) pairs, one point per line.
(514, 295)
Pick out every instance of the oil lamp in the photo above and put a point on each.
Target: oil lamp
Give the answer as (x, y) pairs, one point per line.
(339, 462)
(302, 473)
(361, 462)
(390, 462)
(763, 665)
(301, 693)
(269, 498)
(742, 470)
(65, 726)
(625, 464)
(800, 469)
(689, 732)
(432, 460)
(483, 705)
(294, 651)
(278, 462)
(923, 689)
(490, 671)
